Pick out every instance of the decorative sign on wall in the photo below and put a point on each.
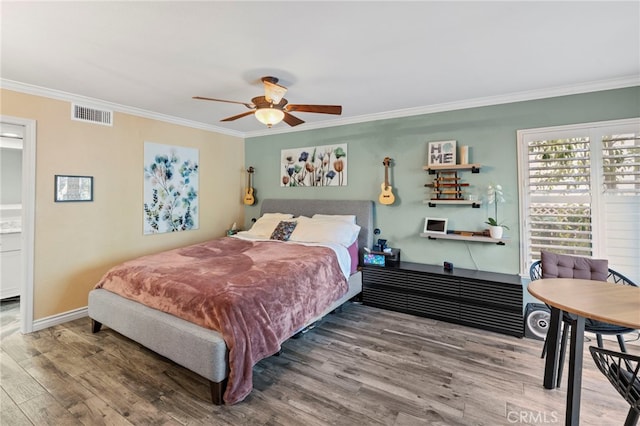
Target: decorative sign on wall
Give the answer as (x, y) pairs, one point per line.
(314, 166)
(170, 188)
(441, 153)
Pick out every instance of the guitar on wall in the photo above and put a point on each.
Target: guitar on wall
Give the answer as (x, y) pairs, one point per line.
(249, 199)
(386, 197)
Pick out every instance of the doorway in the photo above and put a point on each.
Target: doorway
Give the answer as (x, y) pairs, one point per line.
(12, 129)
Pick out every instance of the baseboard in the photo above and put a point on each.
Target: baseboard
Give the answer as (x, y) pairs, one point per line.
(47, 322)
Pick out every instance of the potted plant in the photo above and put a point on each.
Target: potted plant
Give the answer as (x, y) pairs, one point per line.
(495, 196)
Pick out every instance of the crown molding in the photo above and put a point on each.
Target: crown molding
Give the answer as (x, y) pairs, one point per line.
(98, 103)
(594, 86)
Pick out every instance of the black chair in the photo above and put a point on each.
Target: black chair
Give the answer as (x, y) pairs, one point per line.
(593, 326)
(622, 371)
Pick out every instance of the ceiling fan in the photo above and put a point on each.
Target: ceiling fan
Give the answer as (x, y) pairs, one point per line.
(273, 108)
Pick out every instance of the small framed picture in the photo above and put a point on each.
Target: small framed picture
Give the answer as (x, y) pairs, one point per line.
(374, 259)
(435, 224)
(73, 188)
(441, 153)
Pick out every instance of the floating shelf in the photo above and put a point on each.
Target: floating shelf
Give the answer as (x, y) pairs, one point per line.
(433, 203)
(479, 239)
(444, 185)
(475, 168)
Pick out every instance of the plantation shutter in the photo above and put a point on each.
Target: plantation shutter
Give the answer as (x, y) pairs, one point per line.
(580, 193)
(559, 188)
(621, 199)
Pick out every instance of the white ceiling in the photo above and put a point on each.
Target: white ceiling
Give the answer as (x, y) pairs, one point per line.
(376, 59)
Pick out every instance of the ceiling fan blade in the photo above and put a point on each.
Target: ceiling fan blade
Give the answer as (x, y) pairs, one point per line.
(235, 117)
(291, 120)
(321, 109)
(250, 106)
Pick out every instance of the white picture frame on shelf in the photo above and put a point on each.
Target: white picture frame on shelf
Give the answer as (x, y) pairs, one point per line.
(435, 225)
(442, 153)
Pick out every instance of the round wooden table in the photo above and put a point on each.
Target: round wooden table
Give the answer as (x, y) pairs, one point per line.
(598, 300)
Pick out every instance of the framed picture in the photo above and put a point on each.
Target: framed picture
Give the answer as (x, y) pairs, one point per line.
(313, 166)
(441, 153)
(171, 182)
(73, 188)
(434, 224)
(374, 259)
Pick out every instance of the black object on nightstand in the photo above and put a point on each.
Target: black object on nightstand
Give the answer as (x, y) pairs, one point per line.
(382, 258)
(392, 258)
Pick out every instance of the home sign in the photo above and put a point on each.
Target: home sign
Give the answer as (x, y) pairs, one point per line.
(441, 153)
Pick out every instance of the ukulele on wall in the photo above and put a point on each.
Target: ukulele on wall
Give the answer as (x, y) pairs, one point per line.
(249, 199)
(386, 196)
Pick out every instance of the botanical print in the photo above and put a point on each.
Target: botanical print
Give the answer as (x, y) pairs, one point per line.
(315, 166)
(170, 188)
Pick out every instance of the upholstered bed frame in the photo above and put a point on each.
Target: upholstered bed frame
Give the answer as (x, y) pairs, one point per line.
(199, 349)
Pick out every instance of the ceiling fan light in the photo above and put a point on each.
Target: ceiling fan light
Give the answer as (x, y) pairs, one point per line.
(273, 92)
(269, 116)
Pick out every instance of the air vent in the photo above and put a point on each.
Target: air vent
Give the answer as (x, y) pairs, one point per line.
(91, 115)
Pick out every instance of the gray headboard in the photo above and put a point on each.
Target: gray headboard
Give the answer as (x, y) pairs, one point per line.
(363, 209)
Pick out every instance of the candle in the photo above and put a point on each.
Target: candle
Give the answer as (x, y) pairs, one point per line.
(464, 154)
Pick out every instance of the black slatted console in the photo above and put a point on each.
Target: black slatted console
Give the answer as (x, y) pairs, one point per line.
(479, 299)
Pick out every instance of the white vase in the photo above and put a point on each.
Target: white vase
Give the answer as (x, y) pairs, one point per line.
(495, 231)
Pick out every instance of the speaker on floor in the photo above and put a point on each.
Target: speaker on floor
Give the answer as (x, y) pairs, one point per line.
(536, 320)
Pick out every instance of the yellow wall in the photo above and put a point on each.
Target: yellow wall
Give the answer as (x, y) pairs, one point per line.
(75, 243)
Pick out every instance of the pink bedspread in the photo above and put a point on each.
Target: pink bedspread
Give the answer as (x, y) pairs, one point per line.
(255, 293)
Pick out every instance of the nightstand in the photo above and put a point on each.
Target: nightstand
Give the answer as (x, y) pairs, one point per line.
(486, 300)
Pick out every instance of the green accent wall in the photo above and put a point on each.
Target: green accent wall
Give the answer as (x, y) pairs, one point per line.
(490, 133)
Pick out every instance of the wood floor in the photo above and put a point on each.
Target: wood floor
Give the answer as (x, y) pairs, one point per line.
(9, 316)
(363, 366)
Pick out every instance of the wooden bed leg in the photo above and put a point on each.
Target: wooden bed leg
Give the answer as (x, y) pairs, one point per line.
(95, 326)
(217, 391)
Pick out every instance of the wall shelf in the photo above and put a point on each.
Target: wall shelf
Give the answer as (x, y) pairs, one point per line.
(458, 237)
(433, 203)
(475, 168)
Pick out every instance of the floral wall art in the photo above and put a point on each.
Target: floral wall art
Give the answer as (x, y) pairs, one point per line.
(170, 188)
(314, 166)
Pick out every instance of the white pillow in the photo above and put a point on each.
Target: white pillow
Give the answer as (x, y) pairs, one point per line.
(351, 218)
(280, 216)
(263, 227)
(325, 231)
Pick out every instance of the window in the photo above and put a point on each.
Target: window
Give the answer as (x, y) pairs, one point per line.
(580, 193)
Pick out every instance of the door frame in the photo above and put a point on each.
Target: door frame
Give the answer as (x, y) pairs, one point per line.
(28, 218)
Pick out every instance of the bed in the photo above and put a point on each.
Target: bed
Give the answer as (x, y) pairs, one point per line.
(202, 349)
